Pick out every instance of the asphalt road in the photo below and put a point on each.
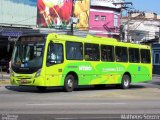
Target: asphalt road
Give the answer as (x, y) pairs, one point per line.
(84, 103)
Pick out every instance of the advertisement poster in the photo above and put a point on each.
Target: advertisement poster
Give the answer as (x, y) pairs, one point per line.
(58, 13)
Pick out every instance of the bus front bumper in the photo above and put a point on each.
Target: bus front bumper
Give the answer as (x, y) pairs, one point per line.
(28, 80)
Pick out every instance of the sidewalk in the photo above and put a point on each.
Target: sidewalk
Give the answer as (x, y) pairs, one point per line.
(156, 75)
(4, 76)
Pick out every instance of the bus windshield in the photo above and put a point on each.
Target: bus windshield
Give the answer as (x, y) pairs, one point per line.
(27, 56)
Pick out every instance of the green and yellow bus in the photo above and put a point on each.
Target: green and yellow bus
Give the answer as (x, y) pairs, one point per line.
(61, 60)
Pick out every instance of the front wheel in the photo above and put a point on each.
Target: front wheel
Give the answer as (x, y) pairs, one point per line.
(126, 80)
(69, 83)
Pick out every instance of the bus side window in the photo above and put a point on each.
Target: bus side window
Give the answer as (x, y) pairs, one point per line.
(74, 50)
(145, 56)
(92, 52)
(134, 56)
(121, 54)
(107, 53)
(55, 54)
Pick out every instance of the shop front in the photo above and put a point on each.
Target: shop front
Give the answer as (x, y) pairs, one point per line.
(8, 37)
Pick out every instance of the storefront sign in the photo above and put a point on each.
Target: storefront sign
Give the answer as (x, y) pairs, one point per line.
(10, 39)
(12, 33)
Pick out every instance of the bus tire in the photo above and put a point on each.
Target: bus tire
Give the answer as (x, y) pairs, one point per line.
(126, 80)
(41, 88)
(69, 83)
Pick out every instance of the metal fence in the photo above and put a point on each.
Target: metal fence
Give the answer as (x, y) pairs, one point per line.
(1, 72)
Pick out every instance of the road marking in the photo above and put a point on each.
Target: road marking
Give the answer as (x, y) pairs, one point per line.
(88, 118)
(80, 103)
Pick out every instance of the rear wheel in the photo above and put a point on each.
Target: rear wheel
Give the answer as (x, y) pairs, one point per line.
(69, 83)
(126, 80)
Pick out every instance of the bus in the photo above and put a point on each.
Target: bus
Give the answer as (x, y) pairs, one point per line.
(48, 60)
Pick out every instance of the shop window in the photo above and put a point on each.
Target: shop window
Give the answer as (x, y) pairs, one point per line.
(156, 58)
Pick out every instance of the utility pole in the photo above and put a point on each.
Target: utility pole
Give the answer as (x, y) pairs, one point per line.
(71, 32)
(124, 6)
(73, 20)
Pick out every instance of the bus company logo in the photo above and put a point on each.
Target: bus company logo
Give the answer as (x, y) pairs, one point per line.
(85, 68)
(120, 69)
(109, 69)
(117, 69)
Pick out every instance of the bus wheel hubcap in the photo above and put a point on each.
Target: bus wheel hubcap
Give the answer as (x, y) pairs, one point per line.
(126, 82)
(70, 83)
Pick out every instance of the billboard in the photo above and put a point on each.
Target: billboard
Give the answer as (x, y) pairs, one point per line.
(58, 13)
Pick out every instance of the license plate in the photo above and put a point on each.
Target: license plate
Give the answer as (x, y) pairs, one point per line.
(24, 81)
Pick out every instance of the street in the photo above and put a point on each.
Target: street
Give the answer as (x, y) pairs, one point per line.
(141, 98)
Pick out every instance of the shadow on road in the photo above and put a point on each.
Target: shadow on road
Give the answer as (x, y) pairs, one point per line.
(156, 83)
(31, 89)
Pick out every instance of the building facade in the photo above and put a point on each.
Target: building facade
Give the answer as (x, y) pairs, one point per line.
(156, 58)
(18, 17)
(140, 26)
(104, 18)
(144, 27)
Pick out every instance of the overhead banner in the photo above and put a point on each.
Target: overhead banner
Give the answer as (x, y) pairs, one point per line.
(58, 13)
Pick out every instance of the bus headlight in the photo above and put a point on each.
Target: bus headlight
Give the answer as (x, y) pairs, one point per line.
(38, 73)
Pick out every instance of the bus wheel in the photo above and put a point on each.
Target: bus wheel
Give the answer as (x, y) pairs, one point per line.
(69, 83)
(41, 88)
(126, 80)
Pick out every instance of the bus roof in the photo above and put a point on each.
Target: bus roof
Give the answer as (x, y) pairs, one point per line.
(95, 40)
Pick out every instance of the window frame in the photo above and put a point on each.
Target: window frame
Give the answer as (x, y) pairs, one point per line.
(67, 51)
(116, 20)
(103, 18)
(113, 53)
(87, 58)
(120, 60)
(49, 64)
(139, 60)
(96, 17)
(154, 62)
(145, 55)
